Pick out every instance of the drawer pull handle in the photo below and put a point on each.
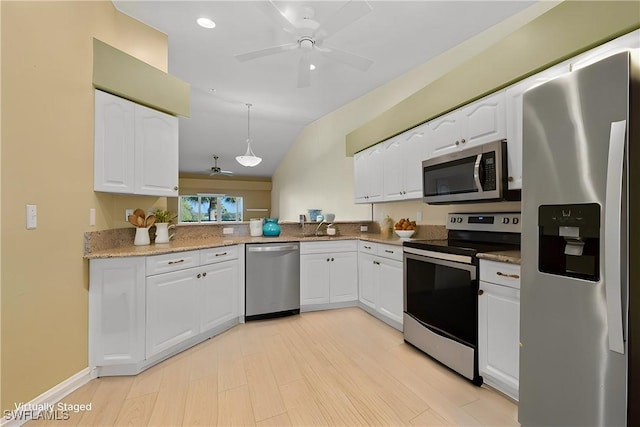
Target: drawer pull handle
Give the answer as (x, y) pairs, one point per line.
(221, 254)
(511, 276)
(388, 251)
(175, 262)
(376, 262)
(367, 247)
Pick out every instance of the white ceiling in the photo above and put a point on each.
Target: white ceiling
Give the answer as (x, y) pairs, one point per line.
(396, 35)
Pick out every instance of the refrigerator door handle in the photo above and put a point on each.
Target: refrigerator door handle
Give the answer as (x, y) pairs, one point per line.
(613, 231)
(476, 173)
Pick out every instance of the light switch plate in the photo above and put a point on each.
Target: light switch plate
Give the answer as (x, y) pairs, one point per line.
(92, 216)
(128, 212)
(419, 216)
(32, 217)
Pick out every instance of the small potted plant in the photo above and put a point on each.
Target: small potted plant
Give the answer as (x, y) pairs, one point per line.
(164, 221)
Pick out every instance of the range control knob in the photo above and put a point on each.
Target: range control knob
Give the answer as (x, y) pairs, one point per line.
(453, 220)
(459, 219)
(515, 220)
(505, 220)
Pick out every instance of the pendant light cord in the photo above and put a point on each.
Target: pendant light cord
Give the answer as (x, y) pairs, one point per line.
(249, 123)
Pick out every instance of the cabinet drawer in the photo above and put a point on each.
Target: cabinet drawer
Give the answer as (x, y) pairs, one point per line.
(367, 247)
(500, 273)
(172, 262)
(212, 255)
(390, 251)
(328, 246)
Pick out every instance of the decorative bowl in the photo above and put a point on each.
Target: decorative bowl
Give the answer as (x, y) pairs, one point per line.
(404, 234)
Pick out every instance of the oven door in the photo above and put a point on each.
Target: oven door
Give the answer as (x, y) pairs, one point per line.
(441, 292)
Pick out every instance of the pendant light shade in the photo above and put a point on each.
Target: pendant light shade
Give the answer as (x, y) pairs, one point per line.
(249, 159)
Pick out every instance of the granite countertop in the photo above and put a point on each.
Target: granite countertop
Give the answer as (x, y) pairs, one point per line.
(213, 242)
(512, 257)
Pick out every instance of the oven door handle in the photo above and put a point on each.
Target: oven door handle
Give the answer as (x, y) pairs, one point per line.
(476, 173)
(471, 268)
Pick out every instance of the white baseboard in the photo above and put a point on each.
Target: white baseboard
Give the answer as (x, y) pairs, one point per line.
(51, 396)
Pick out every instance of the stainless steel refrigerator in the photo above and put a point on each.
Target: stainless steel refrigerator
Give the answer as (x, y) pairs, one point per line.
(580, 308)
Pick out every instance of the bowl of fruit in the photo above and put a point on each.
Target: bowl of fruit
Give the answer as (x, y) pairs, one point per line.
(404, 228)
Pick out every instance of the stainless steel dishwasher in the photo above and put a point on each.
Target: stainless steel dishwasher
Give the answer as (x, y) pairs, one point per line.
(272, 280)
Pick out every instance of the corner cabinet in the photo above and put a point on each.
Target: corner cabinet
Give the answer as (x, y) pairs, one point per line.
(145, 309)
(136, 148)
(499, 325)
(380, 281)
(328, 274)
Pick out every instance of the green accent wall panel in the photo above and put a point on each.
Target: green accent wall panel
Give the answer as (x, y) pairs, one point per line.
(121, 74)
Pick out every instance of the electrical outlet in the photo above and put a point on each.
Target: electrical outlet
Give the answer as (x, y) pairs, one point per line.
(128, 212)
(92, 216)
(418, 216)
(227, 230)
(364, 228)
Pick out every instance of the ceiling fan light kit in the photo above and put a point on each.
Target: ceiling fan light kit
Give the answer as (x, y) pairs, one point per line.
(249, 159)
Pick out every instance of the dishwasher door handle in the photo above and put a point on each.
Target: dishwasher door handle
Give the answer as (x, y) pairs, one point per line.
(273, 248)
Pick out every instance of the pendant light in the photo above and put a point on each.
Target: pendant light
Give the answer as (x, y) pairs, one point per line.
(249, 159)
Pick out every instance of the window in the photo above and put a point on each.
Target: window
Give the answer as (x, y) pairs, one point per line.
(206, 208)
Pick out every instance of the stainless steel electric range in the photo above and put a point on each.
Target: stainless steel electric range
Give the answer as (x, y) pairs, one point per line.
(441, 287)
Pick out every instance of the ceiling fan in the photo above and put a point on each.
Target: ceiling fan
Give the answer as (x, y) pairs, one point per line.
(215, 170)
(310, 35)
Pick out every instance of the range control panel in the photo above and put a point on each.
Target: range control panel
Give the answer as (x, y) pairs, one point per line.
(504, 222)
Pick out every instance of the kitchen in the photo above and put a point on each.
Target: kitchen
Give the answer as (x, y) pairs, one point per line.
(63, 298)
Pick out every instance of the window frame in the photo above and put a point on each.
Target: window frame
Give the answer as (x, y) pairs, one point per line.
(239, 212)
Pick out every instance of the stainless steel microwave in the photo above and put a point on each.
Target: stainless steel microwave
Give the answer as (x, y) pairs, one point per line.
(471, 175)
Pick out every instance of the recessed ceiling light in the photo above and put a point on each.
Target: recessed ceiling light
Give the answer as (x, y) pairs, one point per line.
(312, 67)
(206, 23)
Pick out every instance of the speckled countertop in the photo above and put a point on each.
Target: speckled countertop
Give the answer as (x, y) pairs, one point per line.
(212, 242)
(512, 257)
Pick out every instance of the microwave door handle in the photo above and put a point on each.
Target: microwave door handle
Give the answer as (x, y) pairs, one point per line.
(476, 173)
(613, 256)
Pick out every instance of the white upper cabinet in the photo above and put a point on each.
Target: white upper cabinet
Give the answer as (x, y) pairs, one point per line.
(477, 123)
(514, 120)
(403, 156)
(136, 148)
(368, 175)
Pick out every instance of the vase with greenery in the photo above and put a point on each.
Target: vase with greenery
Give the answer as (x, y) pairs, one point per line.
(164, 221)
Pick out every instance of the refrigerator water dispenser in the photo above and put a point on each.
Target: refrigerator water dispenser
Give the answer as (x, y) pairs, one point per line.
(569, 240)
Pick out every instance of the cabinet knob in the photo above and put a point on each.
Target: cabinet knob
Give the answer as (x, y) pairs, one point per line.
(175, 188)
(457, 142)
(327, 259)
(199, 275)
(480, 292)
(510, 179)
(376, 262)
(463, 140)
(204, 274)
(332, 259)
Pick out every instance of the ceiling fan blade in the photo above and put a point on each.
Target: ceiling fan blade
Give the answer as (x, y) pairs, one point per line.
(358, 62)
(349, 13)
(275, 14)
(265, 52)
(304, 73)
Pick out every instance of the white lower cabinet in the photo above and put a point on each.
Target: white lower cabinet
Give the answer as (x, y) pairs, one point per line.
(380, 281)
(172, 315)
(328, 274)
(145, 309)
(499, 325)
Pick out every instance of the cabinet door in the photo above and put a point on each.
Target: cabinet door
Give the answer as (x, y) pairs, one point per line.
(116, 311)
(513, 102)
(219, 290)
(414, 149)
(113, 166)
(156, 136)
(344, 277)
(499, 336)
(368, 175)
(172, 309)
(484, 121)
(314, 279)
(367, 277)
(444, 134)
(393, 182)
(390, 301)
